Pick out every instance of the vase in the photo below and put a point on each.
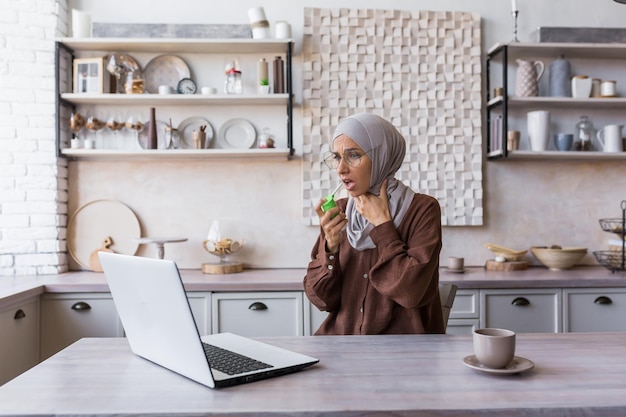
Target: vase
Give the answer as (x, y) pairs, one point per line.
(528, 75)
(560, 85)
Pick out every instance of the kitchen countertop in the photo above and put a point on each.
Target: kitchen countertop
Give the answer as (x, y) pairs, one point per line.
(575, 374)
(15, 289)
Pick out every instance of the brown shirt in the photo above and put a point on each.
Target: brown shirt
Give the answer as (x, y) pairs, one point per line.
(391, 289)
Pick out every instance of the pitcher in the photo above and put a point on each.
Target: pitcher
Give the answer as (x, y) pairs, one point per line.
(528, 75)
(610, 137)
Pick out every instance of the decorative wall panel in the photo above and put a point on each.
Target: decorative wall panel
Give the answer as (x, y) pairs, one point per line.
(421, 70)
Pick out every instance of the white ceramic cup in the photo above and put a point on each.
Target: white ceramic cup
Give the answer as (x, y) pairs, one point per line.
(89, 144)
(258, 22)
(538, 129)
(76, 143)
(607, 88)
(455, 263)
(165, 89)
(282, 30)
(494, 348)
(610, 137)
(81, 24)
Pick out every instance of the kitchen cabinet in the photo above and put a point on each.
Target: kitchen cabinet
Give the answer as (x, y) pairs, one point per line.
(198, 54)
(508, 112)
(258, 314)
(19, 331)
(313, 317)
(594, 310)
(523, 311)
(200, 303)
(68, 317)
(465, 314)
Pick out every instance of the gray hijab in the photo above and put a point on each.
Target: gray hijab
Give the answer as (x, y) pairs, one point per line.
(386, 148)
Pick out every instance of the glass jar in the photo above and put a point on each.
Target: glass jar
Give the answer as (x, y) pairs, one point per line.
(172, 138)
(584, 134)
(234, 83)
(134, 83)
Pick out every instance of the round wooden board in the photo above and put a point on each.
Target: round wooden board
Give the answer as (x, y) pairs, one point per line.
(492, 265)
(222, 268)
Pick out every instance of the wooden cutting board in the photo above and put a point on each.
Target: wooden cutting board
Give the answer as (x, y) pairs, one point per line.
(222, 268)
(492, 265)
(94, 261)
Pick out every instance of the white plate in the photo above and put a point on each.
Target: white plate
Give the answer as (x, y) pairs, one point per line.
(164, 70)
(187, 126)
(162, 140)
(518, 365)
(97, 220)
(237, 133)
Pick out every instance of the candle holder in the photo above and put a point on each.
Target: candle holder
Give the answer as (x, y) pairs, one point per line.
(515, 13)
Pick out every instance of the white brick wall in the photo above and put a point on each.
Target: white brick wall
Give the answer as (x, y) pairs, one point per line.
(33, 181)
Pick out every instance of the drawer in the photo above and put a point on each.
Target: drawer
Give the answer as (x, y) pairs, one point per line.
(523, 311)
(465, 305)
(258, 314)
(594, 310)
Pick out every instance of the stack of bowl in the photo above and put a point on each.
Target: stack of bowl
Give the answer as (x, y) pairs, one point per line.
(557, 258)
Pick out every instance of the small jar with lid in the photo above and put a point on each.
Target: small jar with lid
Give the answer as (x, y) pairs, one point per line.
(233, 83)
(172, 137)
(584, 134)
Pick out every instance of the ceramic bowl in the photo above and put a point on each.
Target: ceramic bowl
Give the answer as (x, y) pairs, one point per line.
(558, 259)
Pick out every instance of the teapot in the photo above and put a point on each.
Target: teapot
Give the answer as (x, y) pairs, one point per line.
(528, 75)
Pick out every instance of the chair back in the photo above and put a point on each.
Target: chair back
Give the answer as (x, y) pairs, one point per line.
(447, 292)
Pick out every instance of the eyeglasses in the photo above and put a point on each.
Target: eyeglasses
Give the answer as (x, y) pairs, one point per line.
(352, 158)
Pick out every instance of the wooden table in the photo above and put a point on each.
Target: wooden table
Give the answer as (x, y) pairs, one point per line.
(576, 374)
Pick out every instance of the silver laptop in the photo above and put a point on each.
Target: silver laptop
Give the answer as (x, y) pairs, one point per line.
(157, 319)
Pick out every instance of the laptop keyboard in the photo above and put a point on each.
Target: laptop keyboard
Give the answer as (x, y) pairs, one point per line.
(231, 363)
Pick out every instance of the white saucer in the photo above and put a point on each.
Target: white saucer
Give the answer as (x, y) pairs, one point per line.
(456, 271)
(518, 365)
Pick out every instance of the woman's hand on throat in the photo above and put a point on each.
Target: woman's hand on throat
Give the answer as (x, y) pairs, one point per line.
(375, 208)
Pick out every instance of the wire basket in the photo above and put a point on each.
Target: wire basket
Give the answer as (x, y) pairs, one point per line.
(614, 260)
(612, 226)
(610, 259)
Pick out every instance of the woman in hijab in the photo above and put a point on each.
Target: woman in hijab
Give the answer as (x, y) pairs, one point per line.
(374, 266)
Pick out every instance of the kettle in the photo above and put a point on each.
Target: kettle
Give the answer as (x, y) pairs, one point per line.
(528, 75)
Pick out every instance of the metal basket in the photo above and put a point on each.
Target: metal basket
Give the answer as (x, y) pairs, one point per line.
(611, 260)
(613, 226)
(614, 260)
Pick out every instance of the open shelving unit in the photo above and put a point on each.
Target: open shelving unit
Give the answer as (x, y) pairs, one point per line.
(68, 48)
(506, 55)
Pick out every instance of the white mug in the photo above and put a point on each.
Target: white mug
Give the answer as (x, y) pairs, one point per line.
(165, 89)
(610, 137)
(538, 129)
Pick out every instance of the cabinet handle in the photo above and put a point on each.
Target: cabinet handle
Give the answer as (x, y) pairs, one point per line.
(19, 314)
(603, 300)
(257, 306)
(520, 301)
(81, 306)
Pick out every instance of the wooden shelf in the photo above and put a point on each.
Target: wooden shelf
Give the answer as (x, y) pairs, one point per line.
(270, 154)
(561, 102)
(568, 155)
(555, 49)
(204, 46)
(175, 99)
